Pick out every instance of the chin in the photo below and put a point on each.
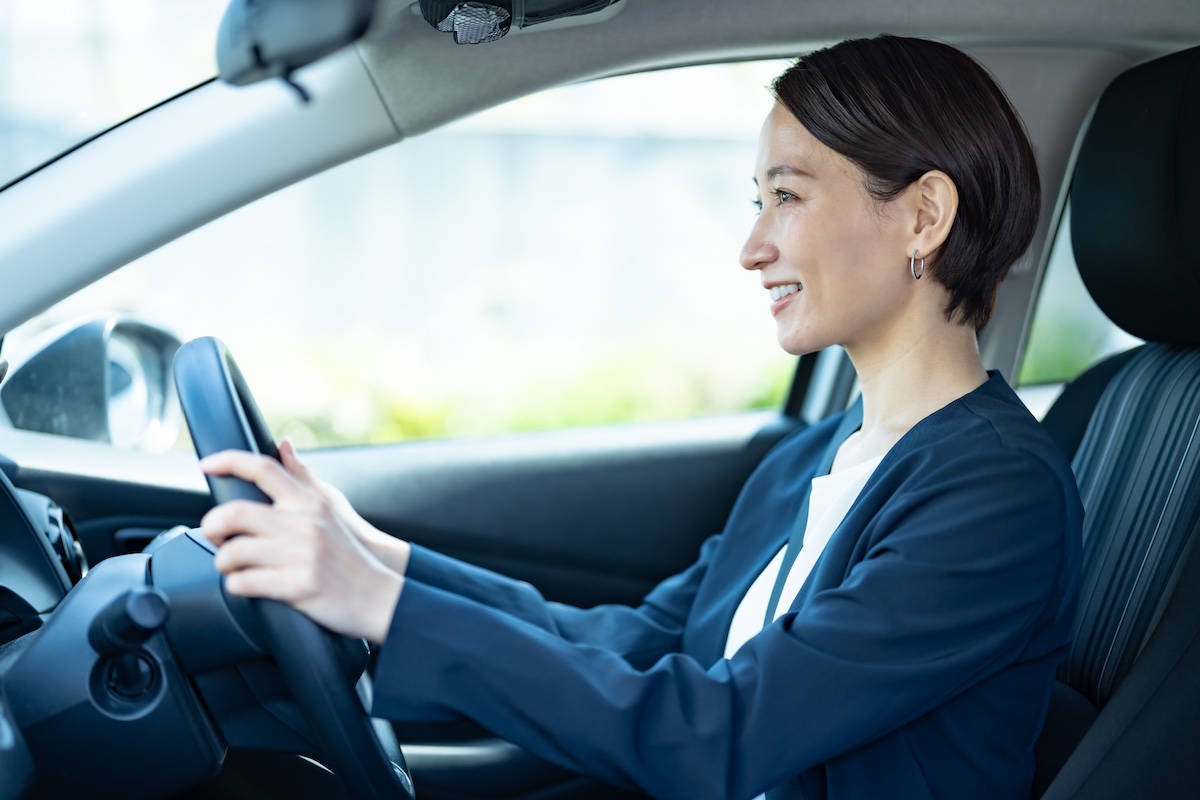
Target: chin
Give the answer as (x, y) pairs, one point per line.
(800, 342)
(799, 347)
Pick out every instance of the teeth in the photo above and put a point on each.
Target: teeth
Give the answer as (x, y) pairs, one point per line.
(779, 292)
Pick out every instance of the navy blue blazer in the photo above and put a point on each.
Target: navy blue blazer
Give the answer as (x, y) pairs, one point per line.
(916, 661)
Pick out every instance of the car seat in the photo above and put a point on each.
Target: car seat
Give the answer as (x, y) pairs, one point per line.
(1124, 718)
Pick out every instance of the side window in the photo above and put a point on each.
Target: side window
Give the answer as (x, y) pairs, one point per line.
(570, 258)
(1069, 331)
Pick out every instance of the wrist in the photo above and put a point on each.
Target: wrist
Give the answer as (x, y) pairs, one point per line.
(383, 606)
(393, 552)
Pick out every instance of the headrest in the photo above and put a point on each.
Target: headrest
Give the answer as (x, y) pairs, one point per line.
(1135, 201)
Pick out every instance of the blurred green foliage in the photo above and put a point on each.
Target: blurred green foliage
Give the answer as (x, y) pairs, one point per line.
(637, 385)
(1061, 347)
(1069, 331)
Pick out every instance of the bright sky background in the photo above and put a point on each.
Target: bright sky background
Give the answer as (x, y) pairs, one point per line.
(71, 68)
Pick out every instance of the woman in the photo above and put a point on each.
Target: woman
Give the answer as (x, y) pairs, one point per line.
(884, 612)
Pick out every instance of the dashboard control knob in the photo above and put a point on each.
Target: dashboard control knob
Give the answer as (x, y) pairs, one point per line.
(120, 630)
(128, 621)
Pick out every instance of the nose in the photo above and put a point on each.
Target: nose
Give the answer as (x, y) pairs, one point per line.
(758, 251)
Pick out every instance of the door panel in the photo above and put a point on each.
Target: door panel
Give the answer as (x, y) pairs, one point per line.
(587, 516)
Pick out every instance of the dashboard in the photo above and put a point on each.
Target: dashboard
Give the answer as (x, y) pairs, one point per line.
(40, 559)
(145, 673)
(15, 764)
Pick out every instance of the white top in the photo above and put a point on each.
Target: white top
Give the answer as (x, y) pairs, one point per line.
(832, 495)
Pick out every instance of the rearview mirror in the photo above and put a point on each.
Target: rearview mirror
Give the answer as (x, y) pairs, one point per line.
(261, 39)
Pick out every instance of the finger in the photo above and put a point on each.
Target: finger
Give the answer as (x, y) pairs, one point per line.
(246, 517)
(295, 586)
(270, 583)
(287, 450)
(292, 462)
(263, 471)
(248, 552)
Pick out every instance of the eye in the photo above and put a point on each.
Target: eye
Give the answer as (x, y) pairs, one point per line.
(783, 196)
(757, 205)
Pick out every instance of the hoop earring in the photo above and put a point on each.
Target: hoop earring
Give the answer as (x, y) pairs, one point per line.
(912, 265)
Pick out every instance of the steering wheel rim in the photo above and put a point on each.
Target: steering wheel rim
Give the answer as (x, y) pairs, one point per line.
(222, 415)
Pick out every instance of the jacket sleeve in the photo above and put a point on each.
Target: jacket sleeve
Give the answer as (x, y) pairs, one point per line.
(959, 573)
(640, 635)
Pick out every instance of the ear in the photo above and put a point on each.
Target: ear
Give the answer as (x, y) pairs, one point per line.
(934, 204)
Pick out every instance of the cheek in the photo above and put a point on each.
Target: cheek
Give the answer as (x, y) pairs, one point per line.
(870, 260)
(859, 284)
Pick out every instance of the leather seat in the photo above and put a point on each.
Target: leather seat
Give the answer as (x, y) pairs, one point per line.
(1124, 720)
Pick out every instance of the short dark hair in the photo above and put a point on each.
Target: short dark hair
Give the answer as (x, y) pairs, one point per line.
(899, 107)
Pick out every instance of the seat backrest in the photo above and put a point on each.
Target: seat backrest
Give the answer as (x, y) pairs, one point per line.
(1139, 477)
(1123, 713)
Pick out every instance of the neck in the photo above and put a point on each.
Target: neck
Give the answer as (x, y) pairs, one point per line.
(907, 375)
(907, 378)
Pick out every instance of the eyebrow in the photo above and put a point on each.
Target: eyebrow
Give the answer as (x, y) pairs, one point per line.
(792, 172)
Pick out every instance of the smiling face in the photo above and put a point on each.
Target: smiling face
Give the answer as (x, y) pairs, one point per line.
(833, 258)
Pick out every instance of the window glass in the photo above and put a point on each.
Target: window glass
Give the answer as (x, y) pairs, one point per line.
(1069, 331)
(567, 259)
(71, 68)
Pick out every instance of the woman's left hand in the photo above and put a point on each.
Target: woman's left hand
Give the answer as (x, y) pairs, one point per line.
(297, 551)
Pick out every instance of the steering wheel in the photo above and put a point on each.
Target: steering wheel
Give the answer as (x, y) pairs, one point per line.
(222, 415)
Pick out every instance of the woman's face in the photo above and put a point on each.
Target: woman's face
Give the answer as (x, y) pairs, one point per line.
(835, 258)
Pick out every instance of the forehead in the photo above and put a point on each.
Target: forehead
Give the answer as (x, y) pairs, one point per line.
(785, 143)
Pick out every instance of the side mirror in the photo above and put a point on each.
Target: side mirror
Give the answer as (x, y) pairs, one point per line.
(108, 380)
(261, 39)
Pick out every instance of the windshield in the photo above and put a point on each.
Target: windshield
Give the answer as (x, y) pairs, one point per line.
(70, 69)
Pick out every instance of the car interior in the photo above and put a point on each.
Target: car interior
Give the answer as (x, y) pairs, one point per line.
(217, 698)
(1136, 463)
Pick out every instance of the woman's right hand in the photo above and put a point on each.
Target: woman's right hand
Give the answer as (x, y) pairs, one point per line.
(392, 551)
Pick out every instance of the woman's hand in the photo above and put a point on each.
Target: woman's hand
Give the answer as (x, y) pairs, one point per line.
(300, 550)
(388, 549)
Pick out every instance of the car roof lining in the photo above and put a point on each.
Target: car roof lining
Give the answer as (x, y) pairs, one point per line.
(425, 80)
